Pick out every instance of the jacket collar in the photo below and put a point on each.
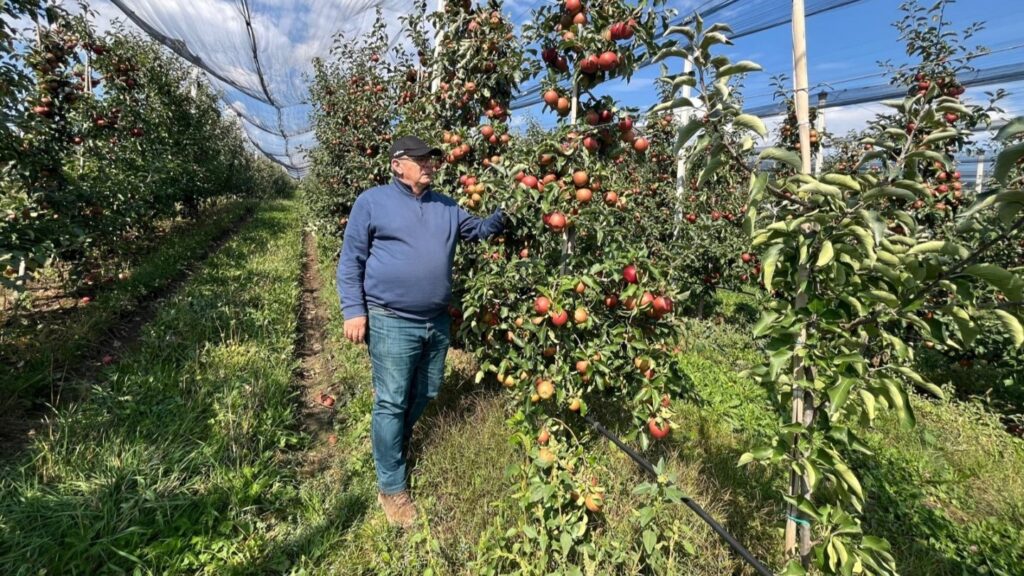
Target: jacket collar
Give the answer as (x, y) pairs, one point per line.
(408, 189)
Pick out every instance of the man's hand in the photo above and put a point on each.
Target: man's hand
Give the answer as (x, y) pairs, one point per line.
(355, 329)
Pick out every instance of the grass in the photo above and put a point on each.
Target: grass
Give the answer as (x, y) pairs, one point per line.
(187, 458)
(38, 349)
(946, 494)
(172, 464)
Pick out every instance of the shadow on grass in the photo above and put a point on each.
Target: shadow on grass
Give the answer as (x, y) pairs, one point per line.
(347, 511)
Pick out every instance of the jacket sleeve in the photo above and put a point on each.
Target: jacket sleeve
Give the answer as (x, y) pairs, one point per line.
(355, 249)
(473, 228)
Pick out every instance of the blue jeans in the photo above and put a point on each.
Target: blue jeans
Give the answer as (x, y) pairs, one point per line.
(408, 368)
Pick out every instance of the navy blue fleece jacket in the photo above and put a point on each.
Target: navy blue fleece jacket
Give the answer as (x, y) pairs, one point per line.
(399, 249)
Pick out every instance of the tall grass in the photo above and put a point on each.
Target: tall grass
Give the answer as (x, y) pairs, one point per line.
(958, 521)
(38, 349)
(188, 458)
(171, 465)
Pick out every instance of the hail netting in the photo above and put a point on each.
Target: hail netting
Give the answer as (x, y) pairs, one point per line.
(260, 52)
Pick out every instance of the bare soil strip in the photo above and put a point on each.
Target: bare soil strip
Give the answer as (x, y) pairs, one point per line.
(317, 399)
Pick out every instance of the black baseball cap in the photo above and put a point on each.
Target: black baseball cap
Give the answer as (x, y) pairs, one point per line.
(412, 146)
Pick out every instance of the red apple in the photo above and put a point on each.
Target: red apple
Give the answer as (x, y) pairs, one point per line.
(658, 431)
(541, 305)
(630, 274)
(559, 318)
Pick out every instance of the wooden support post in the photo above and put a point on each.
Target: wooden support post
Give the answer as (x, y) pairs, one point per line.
(800, 85)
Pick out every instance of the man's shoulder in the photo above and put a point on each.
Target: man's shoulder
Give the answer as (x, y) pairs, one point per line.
(367, 196)
(443, 198)
(375, 191)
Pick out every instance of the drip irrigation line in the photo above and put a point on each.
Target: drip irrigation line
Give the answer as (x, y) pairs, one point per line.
(718, 528)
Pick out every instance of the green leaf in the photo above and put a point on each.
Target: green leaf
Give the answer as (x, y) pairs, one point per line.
(684, 30)
(777, 361)
(566, 541)
(685, 133)
(766, 320)
(1013, 326)
(915, 187)
(930, 156)
(713, 38)
(842, 180)
(897, 397)
(867, 239)
(888, 192)
(920, 382)
(749, 219)
(1011, 129)
(715, 163)
(949, 105)
(670, 52)
(849, 478)
(751, 122)
(939, 136)
(678, 81)
(771, 258)
(869, 403)
(741, 67)
(672, 104)
(745, 459)
(932, 246)
(1006, 160)
(838, 395)
(854, 303)
(884, 297)
(994, 275)
(813, 475)
(787, 157)
(650, 540)
(875, 543)
(825, 255)
(821, 188)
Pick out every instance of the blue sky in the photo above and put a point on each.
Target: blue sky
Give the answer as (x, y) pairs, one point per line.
(846, 44)
(844, 47)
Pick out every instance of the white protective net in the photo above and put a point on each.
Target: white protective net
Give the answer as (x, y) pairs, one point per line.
(260, 52)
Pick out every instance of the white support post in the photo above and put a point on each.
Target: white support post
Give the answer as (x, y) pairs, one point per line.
(819, 158)
(800, 83)
(682, 116)
(567, 238)
(980, 178)
(803, 402)
(435, 84)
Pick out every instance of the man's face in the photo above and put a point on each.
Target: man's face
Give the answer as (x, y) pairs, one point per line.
(416, 170)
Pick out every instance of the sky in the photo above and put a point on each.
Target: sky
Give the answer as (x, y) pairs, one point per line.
(844, 47)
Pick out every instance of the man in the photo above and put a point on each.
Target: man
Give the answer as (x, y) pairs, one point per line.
(394, 280)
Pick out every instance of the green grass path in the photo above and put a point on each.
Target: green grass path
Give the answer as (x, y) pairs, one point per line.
(173, 464)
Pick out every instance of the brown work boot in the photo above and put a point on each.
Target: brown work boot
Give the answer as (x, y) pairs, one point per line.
(398, 508)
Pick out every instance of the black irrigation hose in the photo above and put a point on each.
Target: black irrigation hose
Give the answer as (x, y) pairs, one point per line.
(718, 528)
